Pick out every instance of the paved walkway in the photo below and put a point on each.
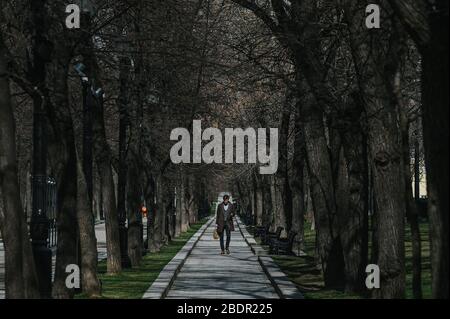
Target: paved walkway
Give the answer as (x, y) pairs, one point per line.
(100, 233)
(206, 274)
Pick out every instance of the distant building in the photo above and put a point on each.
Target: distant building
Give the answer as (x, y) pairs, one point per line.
(423, 186)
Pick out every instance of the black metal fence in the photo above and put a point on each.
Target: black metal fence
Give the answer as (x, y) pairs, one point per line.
(46, 187)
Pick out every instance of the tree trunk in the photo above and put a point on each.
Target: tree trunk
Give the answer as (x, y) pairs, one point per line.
(102, 156)
(297, 183)
(322, 191)
(88, 242)
(258, 201)
(185, 205)
(429, 28)
(435, 128)
(165, 202)
(178, 210)
(67, 249)
(135, 182)
(149, 194)
(282, 176)
(389, 189)
(384, 142)
(411, 209)
(134, 214)
(156, 233)
(191, 199)
(354, 219)
(20, 275)
(63, 158)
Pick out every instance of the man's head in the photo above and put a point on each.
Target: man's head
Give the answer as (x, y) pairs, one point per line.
(226, 199)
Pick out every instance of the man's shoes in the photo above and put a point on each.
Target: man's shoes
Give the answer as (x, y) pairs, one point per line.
(228, 251)
(222, 253)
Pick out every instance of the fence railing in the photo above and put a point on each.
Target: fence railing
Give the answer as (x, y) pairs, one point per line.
(47, 188)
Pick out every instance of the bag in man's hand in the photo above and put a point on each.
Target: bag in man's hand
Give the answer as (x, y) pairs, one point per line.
(215, 234)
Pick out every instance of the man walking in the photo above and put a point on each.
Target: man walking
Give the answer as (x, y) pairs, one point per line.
(224, 223)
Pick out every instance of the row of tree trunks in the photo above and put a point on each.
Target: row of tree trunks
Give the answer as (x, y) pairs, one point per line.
(377, 93)
(411, 208)
(322, 190)
(20, 277)
(435, 126)
(353, 218)
(428, 26)
(283, 193)
(102, 155)
(349, 167)
(300, 32)
(76, 245)
(315, 96)
(349, 162)
(63, 158)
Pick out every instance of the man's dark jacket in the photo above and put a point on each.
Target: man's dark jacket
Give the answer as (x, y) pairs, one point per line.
(220, 217)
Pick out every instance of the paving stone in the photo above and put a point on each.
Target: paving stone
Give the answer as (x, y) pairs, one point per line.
(206, 274)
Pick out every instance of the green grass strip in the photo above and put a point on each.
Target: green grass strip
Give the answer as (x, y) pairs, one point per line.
(133, 283)
(304, 273)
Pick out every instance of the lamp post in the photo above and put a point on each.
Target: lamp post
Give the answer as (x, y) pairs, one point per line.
(88, 10)
(39, 227)
(39, 223)
(87, 128)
